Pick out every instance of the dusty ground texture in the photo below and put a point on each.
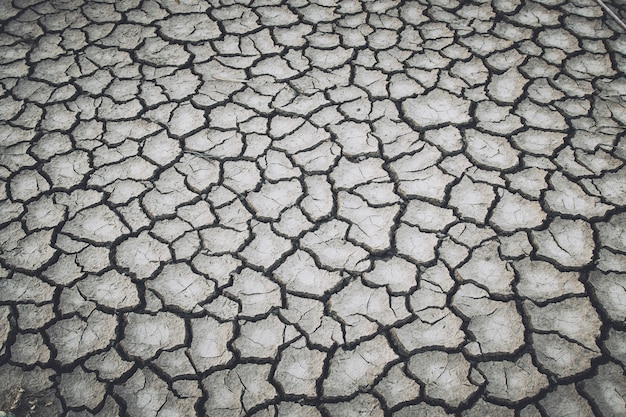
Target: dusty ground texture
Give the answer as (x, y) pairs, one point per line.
(312, 208)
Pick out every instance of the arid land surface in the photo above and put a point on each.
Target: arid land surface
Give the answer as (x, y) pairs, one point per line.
(312, 208)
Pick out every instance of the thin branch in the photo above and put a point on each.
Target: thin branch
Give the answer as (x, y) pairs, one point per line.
(611, 13)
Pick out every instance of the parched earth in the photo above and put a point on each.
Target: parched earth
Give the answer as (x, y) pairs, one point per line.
(312, 208)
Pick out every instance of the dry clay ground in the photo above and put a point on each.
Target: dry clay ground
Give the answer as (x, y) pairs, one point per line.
(312, 208)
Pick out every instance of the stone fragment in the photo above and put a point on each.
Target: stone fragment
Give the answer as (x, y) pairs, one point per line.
(233, 392)
(262, 338)
(512, 381)
(352, 370)
(215, 143)
(287, 409)
(81, 389)
(110, 290)
(371, 226)
(141, 255)
(572, 318)
(146, 335)
(612, 233)
(422, 409)
(444, 375)
(273, 198)
(175, 363)
(569, 243)
(108, 365)
(155, 51)
(161, 149)
(363, 319)
(277, 166)
(98, 224)
(397, 388)
(606, 389)
(134, 168)
(398, 275)
(256, 293)
(428, 217)
(378, 193)
(319, 159)
(29, 349)
(189, 27)
(328, 244)
(209, 343)
(436, 108)
(490, 151)
(541, 117)
(615, 343)
(434, 328)
(309, 315)
(529, 182)
(539, 142)
(540, 281)
(507, 87)
(75, 338)
(513, 212)
(484, 408)
(292, 223)
(300, 275)
(180, 287)
(266, 248)
(69, 170)
(496, 326)
(485, 268)
(25, 289)
(169, 193)
(610, 291)
(564, 401)
(396, 136)
(354, 138)
(27, 184)
(299, 369)
(126, 36)
(429, 183)
(361, 405)
(567, 197)
(319, 200)
(348, 174)
(472, 200)
(32, 316)
(561, 357)
(145, 394)
(417, 245)
(610, 186)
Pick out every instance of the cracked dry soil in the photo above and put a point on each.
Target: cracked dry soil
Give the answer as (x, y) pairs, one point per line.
(320, 208)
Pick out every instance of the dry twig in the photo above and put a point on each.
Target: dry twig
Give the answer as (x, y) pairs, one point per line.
(612, 13)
